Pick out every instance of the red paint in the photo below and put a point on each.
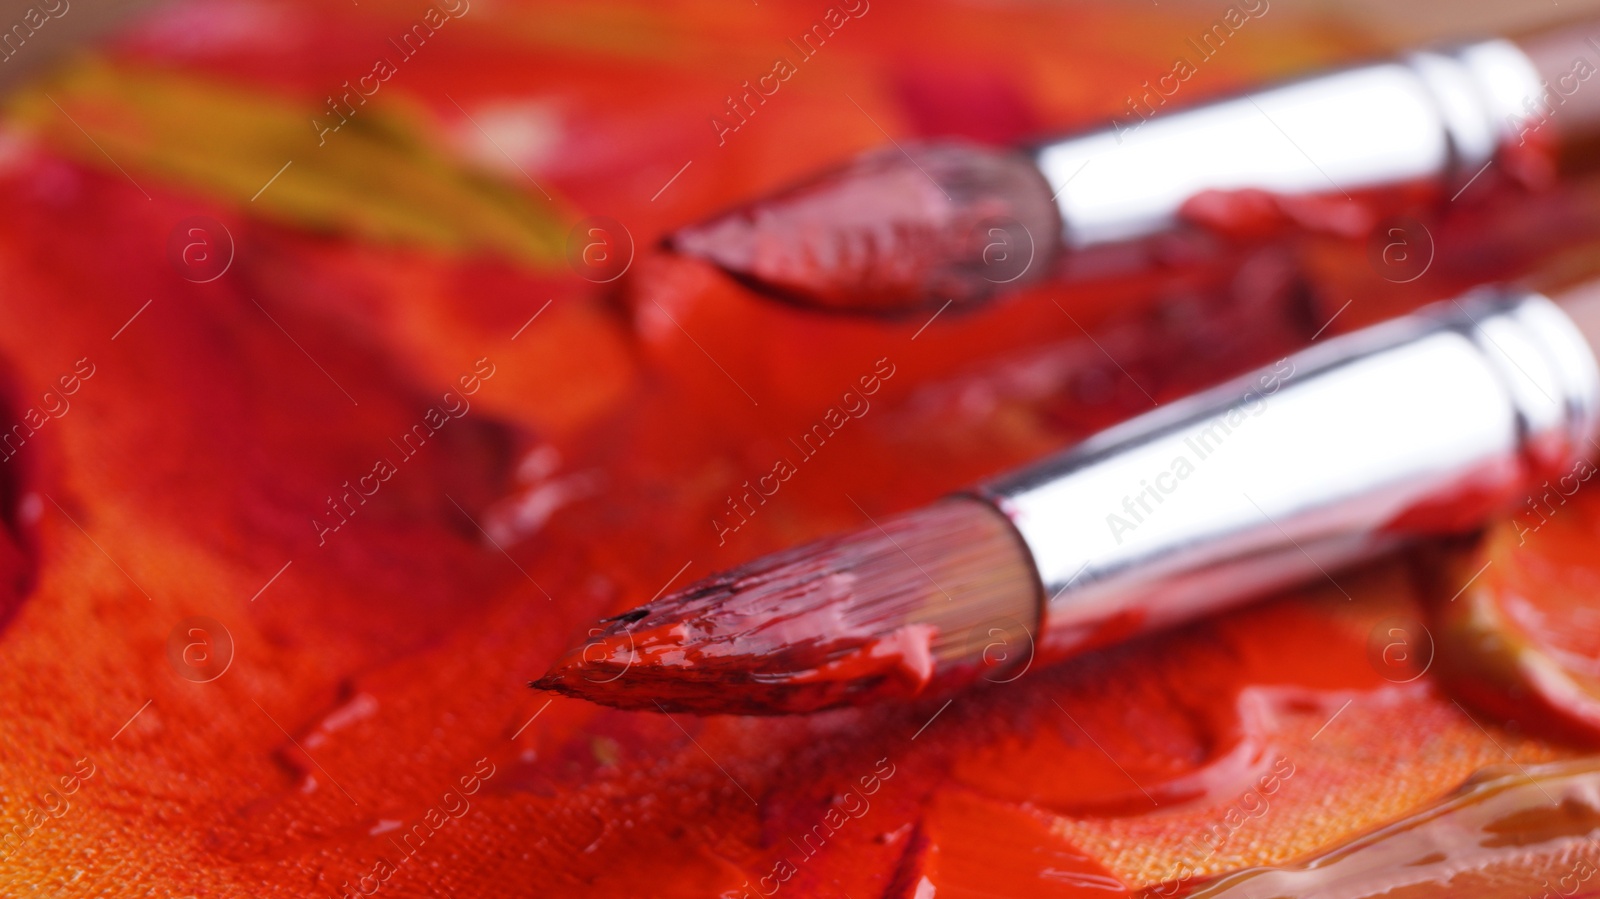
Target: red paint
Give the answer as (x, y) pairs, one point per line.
(894, 230)
(1495, 834)
(598, 455)
(803, 631)
(1021, 857)
(1521, 640)
(1260, 215)
(897, 229)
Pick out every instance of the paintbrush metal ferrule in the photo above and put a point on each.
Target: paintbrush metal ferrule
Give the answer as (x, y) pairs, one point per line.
(1433, 117)
(930, 223)
(1423, 426)
(1420, 426)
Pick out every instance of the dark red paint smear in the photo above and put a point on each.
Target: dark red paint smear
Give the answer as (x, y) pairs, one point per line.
(376, 671)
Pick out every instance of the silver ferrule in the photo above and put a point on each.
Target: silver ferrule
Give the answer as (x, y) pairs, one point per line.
(1436, 117)
(1423, 425)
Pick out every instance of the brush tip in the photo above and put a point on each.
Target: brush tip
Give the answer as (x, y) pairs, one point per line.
(888, 612)
(895, 230)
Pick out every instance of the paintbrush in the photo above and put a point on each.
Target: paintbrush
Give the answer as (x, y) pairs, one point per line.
(920, 224)
(1421, 426)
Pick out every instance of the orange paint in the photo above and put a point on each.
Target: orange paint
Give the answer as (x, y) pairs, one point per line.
(374, 673)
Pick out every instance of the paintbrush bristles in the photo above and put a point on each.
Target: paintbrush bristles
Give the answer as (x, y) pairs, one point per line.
(895, 230)
(916, 599)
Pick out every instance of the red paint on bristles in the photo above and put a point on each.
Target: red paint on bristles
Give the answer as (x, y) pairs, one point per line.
(904, 608)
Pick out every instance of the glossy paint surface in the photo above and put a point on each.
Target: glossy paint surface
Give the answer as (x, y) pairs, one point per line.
(400, 454)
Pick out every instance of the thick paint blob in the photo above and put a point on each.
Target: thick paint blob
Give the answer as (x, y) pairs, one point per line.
(405, 452)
